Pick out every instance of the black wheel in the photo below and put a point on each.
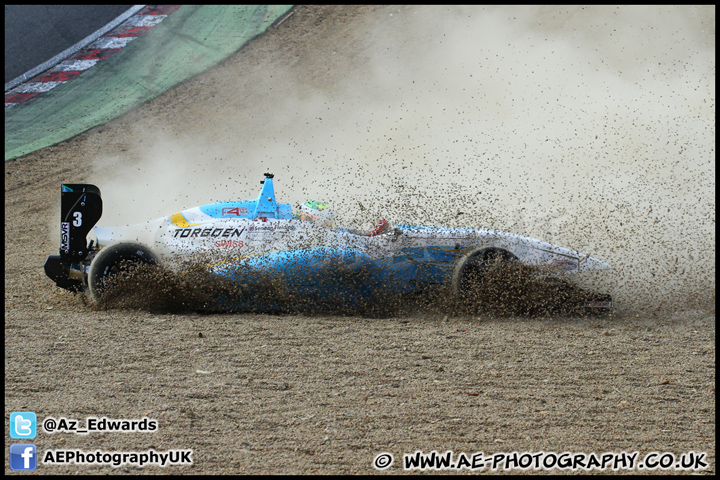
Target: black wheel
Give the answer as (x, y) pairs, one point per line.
(474, 266)
(117, 259)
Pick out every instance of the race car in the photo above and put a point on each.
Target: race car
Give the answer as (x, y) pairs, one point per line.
(265, 255)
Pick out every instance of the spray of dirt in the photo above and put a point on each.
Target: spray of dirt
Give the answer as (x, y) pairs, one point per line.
(589, 127)
(492, 287)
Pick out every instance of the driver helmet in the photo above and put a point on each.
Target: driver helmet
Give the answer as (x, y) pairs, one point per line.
(318, 213)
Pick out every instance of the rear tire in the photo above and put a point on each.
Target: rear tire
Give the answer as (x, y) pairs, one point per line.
(116, 259)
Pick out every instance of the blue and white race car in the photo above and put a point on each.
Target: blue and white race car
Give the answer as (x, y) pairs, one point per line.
(300, 255)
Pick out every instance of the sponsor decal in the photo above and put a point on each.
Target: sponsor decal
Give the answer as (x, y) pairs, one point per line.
(208, 232)
(566, 264)
(230, 243)
(271, 227)
(179, 220)
(65, 236)
(234, 211)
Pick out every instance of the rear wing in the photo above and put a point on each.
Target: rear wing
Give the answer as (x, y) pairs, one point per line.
(80, 210)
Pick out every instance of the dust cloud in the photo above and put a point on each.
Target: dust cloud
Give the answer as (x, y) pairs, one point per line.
(589, 127)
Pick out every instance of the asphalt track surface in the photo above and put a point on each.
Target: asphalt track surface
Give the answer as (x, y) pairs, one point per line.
(36, 33)
(191, 40)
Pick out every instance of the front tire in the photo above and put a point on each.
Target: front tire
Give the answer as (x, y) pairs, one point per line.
(117, 259)
(473, 266)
